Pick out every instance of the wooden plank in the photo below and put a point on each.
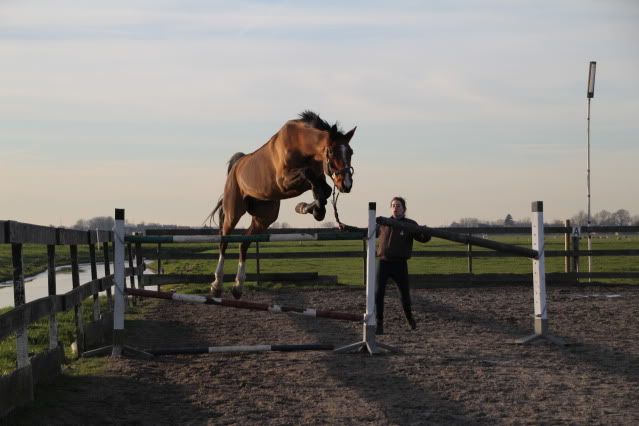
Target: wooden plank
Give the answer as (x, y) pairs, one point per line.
(19, 232)
(72, 237)
(10, 322)
(99, 236)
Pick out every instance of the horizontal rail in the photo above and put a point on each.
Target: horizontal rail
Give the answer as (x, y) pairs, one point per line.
(460, 238)
(26, 233)
(489, 230)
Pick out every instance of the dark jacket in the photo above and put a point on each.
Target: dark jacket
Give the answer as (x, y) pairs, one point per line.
(397, 244)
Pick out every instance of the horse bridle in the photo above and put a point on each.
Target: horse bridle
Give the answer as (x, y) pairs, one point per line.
(333, 173)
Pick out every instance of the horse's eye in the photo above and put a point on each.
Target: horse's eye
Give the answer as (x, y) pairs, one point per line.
(330, 152)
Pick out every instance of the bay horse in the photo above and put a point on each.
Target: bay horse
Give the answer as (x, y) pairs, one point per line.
(295, 160)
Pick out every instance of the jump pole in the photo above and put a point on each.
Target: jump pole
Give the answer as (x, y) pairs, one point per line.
(189, 350)
(243, 304)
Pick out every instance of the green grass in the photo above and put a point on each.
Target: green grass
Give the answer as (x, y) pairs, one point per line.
(350, 271)
(38, 337)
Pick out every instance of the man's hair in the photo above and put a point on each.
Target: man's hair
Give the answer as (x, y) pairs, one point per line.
(401, 200)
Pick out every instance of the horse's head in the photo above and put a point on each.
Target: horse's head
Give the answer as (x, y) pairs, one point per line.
(338, 159)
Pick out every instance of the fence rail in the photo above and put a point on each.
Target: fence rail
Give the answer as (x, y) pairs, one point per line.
(17, 388)
(571, 253)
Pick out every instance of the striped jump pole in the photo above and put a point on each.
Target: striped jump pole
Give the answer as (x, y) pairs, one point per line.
(188, 350)
(243, 304)
(320, 236)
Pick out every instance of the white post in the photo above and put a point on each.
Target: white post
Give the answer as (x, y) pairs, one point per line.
(118, 266)
(539, 271)
(539, 281)
(368, 343)
(371, 277)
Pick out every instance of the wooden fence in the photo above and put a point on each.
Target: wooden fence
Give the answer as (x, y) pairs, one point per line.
(17, 388)
(573, 269)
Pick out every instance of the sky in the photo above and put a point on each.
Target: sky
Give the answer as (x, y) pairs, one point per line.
(465, 108)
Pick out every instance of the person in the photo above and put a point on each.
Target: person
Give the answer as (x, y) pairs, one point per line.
(394, 248)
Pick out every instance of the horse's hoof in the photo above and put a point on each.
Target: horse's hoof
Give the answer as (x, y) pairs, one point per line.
(319, 214)
(236, 292)
(216, 292)
(301, 208)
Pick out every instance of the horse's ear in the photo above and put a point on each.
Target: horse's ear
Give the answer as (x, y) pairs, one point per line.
(350, 134)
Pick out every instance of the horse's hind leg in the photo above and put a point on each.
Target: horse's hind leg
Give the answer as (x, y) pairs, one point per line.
(264, 214)
(232, 214)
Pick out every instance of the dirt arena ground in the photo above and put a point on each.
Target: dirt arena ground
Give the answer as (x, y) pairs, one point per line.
(459, 367)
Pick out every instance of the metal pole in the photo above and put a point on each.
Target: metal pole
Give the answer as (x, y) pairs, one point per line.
(590, 93)
(588, 181)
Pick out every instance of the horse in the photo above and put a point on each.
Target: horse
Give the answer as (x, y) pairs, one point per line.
(293, 161)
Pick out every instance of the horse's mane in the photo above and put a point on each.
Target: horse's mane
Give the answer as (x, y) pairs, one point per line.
(314, 120)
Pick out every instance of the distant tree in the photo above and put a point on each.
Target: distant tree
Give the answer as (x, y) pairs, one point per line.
(580, 219)
(604, 217)
(621, 218)
(508, 221)
(328, 224)
(98, 222)
(285, 225)
(469, 222)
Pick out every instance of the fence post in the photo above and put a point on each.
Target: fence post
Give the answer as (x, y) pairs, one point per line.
(94, 276)
(257, 262)
(576, 235)
(139, 261)
(159, 255)
(567, 265)
(53, 320)
(107, 272)
(129, 250)
(118, 266)
(469, 250)
(22, 340)
(77, 308)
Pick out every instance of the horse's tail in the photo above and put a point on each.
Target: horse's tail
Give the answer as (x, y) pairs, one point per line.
(218, 206)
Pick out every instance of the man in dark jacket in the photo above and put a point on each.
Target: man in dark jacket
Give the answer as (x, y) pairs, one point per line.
(394, 248)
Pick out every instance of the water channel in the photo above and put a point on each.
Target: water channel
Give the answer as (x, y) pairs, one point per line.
(37, 286)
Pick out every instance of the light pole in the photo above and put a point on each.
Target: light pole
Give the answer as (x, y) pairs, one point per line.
(590, 94)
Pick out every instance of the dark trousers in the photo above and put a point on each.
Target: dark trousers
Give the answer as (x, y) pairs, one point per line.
(398, 271)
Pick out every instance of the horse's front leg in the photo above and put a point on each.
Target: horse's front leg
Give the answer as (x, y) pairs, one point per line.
(321, 192)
